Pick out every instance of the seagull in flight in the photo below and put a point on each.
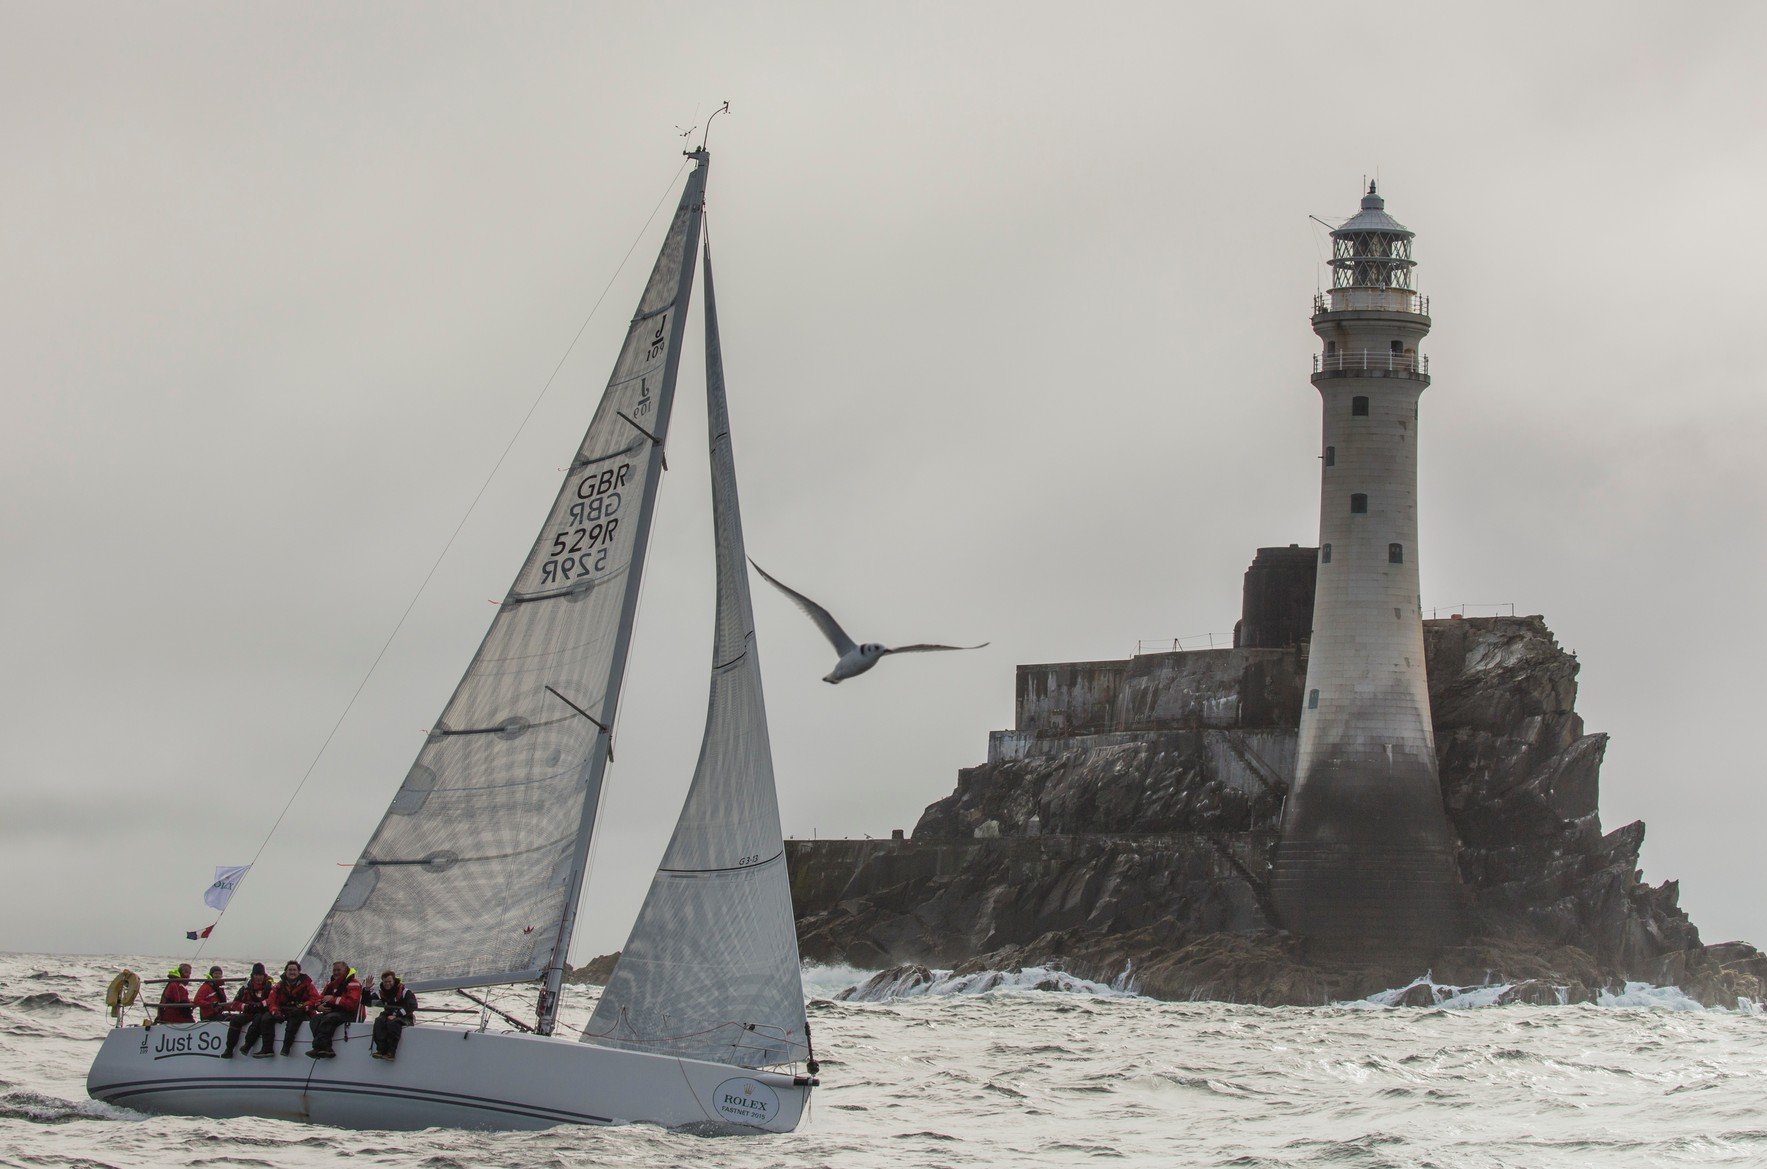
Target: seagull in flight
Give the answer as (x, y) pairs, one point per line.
(855, 659)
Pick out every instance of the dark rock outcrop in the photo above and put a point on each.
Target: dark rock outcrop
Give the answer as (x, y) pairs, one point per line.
(1162, 784)
(943, 902)
(595, 972)
(1137, 804)
(1521, 782)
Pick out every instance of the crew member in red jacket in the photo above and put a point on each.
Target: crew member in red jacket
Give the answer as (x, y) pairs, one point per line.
(211, 996)
(175, 1002)
(293, 998)
(251, 1013)
(339, 1003)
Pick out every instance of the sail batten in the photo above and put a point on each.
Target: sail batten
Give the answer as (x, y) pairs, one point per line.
(472, 876)
(711, 968)
(438, 984)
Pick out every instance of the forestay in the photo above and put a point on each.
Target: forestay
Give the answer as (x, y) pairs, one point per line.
(711, 969)
(473, 874)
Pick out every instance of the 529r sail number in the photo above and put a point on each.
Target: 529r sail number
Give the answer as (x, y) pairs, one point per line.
(578, 552)
(582, 548)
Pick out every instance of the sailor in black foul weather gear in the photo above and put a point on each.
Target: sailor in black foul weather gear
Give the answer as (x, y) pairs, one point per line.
(398, 1008)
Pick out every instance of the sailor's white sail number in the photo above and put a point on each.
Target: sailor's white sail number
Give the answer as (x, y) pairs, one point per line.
(591, 524)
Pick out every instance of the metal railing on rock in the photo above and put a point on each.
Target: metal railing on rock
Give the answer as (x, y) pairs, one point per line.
(1190, 641)
(1482, 609)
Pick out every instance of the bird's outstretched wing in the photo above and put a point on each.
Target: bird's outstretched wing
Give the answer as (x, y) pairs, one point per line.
(920, 649)
(825, 621)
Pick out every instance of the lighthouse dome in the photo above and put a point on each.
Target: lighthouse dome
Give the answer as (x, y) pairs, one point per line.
(1372, 249)
(1372, 217)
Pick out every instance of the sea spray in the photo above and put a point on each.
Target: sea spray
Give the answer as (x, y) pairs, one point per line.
(1047, 1081)
(918, 981)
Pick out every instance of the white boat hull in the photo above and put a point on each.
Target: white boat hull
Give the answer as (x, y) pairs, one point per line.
(444, 1077)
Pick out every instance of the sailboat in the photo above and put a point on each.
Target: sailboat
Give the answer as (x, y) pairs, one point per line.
(474, 875)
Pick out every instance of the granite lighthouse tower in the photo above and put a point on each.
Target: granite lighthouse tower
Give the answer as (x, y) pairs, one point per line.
(1366, 859)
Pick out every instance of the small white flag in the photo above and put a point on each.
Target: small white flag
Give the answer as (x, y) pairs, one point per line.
(227, 879)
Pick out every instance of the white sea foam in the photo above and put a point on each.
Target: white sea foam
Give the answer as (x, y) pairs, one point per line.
(1665, 998)
(824, 982)
(1634, 995)
(850, 984)
(1049, 1081)
(920, 981)
(1442, 994)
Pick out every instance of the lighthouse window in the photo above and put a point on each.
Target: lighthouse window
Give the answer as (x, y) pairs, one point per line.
(1358, 504)
(1395, 554)
(1331, 348)
(1331, 456)
(1312, 700)
(1359, 406)
(1398, 348)
(1325, 554)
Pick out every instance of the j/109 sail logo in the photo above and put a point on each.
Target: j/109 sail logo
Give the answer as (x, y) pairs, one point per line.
(745, 1102)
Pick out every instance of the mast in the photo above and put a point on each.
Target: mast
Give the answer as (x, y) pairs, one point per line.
(693, 204)
(473, 874)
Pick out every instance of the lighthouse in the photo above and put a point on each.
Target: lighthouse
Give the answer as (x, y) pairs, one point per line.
(1366, 858)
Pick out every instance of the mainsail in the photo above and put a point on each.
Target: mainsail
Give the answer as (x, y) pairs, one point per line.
(473, 876)
(711, 969)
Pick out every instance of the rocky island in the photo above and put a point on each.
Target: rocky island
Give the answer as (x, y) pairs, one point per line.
(1123, 832)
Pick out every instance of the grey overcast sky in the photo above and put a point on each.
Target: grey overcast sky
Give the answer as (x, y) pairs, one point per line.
(1015, 305)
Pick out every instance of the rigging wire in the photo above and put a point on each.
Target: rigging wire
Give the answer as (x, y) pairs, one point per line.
(470, 508)
(1321, 250)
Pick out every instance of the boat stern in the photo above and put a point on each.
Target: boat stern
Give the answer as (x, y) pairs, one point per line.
(178, 1068)
(768, 1101)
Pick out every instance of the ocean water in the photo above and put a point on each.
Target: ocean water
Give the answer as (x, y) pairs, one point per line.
(988, 1073)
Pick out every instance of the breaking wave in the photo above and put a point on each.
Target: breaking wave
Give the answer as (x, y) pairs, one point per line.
(825, 982)
(40, 1109)
(1666, 998)
(44, 1000)
(940, 1069)
(922, 981)
(1426, 992)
